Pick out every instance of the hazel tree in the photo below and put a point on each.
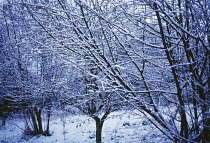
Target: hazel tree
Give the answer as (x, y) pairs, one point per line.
(143, 52)
(30, 73)
(168, 22)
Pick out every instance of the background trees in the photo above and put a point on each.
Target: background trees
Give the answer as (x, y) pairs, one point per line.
(13, 73)
(152, 54)
(187, 52)
(30, 74)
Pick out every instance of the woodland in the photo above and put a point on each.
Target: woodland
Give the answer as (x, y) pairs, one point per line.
(99, 57)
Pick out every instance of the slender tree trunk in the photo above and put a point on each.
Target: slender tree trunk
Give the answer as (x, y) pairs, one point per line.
(33, 118)
(27, 120)
(48, 123)
(99, 125)
(184, 123)
(195, 116)
(4, 118)
(206, 131)
(39, 119)
(206, 122)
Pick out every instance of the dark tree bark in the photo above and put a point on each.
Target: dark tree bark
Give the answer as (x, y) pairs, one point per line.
(4, 118)
(39, 119)
(47, 133)
(99, 126)
(33, 118)
(184, 123)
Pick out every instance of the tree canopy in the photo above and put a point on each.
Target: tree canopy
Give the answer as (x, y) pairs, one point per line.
(101, 55)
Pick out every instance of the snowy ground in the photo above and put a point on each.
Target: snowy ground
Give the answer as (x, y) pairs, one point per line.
(120, 127)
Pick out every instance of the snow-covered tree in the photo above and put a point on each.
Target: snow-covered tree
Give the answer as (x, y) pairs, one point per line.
(153, 54)
(30, 74)
(168, 60)
(13, 74)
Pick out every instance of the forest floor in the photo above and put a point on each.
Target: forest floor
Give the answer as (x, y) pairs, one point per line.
(120, 127)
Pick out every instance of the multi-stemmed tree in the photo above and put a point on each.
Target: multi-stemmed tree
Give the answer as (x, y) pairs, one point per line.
(13, 73)
(177, 33)
(144, 52)
(30, 74)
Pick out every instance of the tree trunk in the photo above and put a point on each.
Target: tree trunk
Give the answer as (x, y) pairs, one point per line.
(47, 133)
(99, 125)
(166, 44)
(206, 132)
(4, 118)
(206, 119)
(39, 119)
(33, 118)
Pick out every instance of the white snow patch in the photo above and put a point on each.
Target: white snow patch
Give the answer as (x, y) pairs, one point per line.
(120, 127)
